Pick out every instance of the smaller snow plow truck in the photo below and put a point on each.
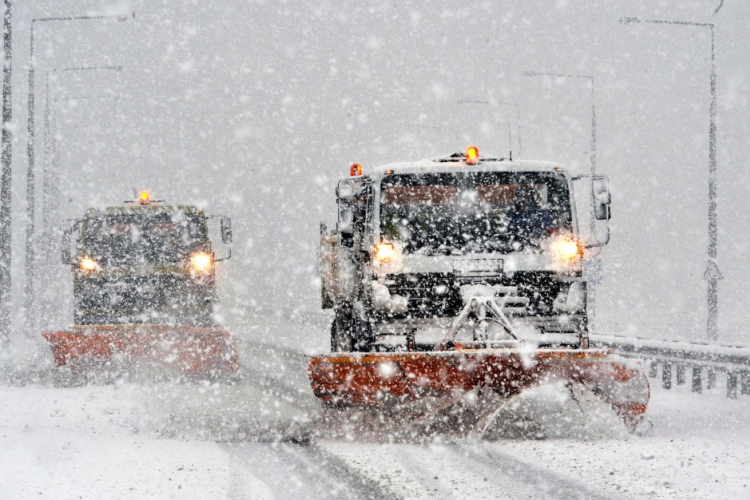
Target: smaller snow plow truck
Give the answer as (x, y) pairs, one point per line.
(459, 279)
(144, 289)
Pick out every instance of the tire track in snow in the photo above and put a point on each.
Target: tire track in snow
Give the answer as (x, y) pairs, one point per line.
(299, 472)
(525, 480)
(435, 481)
(475, 471)
(320, 474)
(392, 466)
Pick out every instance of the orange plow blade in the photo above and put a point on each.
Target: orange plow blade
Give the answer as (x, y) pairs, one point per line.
(374, 379)
(188, 349)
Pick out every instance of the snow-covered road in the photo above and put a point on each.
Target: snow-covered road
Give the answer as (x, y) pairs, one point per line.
(248, 441)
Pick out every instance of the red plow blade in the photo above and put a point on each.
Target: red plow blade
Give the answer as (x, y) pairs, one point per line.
(373, 379)
(188, 349)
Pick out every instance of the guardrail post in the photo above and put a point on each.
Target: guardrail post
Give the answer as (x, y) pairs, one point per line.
(732, 385)
(653, 369)
(711, 383)
(697, 382)
(745, 384)
(680, 374)
(666, 375)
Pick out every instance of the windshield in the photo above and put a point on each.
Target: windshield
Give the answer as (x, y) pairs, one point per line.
(125, 239)
(458, 213)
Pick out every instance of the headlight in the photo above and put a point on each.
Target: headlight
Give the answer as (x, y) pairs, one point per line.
(567, 249)
(201, 261)
(387, 258)
(88, 264)
(385, 252)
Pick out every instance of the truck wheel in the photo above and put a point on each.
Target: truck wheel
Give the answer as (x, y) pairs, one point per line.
(361, 327)
(325, 299)
(583, 331)
(342, 339)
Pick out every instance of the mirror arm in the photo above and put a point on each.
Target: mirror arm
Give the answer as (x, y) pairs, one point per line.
(225, 258)
(601, 243)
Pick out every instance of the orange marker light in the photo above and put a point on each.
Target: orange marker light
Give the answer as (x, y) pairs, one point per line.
(144, 197)
(355, 170)
(472, 155)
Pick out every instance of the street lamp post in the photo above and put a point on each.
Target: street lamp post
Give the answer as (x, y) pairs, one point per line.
(595, 265)
(5, 180)
(29, 263)
(712, 274)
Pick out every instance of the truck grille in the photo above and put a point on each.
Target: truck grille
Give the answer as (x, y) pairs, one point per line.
(438, 295)
(140, 292)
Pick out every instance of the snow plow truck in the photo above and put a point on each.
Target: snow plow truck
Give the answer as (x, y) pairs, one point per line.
(460, 278)
(144, 290)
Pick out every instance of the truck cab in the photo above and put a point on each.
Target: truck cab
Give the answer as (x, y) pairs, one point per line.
(415, 239)
(143, 262)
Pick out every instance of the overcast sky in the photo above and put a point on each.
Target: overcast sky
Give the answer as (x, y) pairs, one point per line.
(255, 109)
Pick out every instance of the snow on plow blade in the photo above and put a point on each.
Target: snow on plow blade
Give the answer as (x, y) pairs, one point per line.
(374, 379)
(188, 349)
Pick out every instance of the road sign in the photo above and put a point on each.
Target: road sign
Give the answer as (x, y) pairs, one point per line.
(712, 272)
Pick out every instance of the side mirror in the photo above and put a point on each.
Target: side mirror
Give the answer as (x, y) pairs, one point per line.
(345, 226)
(345, 191)
(346, 218)
(594, 205)
(65, 250)
(352, 211)
(226, 230)
(67, 228)
(602, 212)
(602, 198)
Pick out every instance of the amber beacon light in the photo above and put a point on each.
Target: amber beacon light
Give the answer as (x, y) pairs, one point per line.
(355, 170)
(472, 155)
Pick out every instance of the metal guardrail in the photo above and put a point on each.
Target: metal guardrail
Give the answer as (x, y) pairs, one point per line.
(700, 357)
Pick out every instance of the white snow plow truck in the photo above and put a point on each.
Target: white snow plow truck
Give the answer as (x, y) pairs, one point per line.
(144, 287)
(462, 274)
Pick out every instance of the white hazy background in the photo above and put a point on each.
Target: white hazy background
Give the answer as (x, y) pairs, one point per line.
(255, 109)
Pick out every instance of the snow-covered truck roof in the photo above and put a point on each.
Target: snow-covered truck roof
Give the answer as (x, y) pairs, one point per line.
(154, 207)
(451, 164)
(143, 203)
